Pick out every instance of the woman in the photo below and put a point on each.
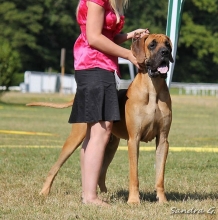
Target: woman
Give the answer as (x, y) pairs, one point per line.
(96, 53)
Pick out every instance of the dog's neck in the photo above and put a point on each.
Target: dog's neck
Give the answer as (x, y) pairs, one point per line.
(150, 89)
(154, 84)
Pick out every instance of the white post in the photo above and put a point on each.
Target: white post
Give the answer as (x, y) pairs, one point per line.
(62, 64)
(172, 30)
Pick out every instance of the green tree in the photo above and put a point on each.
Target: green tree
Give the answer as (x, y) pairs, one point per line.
(38, 30)
(149, 14)
(197, 55)
(9, 63)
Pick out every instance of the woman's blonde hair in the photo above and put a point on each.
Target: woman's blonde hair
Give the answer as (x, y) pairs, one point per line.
(117, 5)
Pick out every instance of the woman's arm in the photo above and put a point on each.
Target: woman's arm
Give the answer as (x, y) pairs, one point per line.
(94, 26)
(120, 38)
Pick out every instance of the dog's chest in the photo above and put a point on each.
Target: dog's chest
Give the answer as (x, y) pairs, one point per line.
(156, 119)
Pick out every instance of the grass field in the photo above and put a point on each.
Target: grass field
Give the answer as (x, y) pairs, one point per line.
(31, 139)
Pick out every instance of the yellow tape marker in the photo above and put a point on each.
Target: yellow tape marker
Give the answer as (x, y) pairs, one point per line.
(28, 146)
(172, 149)
(196, 149)
(177, 149)
(26, 133)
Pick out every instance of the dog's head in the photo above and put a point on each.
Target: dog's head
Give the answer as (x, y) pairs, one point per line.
(154, 52)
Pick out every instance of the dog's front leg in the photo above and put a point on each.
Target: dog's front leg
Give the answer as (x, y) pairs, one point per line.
(162, 147)
(133, 152)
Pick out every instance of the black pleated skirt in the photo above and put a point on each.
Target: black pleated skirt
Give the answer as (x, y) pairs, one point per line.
(96, 97)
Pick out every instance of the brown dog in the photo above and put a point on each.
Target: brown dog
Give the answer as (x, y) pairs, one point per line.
(145, 110)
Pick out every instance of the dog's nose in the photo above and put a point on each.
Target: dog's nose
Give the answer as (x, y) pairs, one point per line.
(164, 52)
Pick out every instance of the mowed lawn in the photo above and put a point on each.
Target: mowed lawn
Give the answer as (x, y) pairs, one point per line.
(31, 139)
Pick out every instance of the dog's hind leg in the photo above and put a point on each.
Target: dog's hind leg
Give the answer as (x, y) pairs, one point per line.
(162, 147)
(108, 157)
(71, 144)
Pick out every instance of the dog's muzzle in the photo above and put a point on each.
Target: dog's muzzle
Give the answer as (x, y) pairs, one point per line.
(160, 71)
(163, 65)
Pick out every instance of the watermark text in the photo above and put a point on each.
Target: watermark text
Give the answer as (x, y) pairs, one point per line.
(191, 211)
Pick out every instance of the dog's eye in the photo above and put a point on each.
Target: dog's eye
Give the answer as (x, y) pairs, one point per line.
(152, 45)
(168, 44)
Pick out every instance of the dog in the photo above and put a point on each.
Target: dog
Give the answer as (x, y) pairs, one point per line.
(145, 109)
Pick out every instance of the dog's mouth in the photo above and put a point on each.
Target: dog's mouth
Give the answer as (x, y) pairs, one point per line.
(161, 70)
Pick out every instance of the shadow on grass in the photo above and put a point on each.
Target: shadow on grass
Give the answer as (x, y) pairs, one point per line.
(171, 196)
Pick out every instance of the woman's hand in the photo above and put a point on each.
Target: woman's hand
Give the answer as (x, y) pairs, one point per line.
(120, 38)
(132, 59)
(140, 32)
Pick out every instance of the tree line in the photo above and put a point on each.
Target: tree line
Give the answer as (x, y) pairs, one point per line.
(32, 34)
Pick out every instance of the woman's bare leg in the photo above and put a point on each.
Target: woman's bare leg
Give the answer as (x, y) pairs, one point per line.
(92, 155)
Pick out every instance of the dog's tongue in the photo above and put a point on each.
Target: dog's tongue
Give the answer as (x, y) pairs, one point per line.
(162, 69)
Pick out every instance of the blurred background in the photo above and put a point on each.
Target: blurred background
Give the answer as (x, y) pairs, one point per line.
(32, 34)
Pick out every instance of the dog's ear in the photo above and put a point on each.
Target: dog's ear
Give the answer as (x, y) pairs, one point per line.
(171, 45)
(138, 48)
(171, 58)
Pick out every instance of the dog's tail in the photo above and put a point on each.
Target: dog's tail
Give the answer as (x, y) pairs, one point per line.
(51, 105)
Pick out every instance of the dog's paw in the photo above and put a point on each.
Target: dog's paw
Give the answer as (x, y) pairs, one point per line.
(133, 201)
(161, 199)
(44, 192)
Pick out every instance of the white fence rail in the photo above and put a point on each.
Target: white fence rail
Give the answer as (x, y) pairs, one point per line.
(196, 88)
(40, 82)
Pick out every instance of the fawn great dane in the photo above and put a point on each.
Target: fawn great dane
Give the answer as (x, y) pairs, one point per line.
(145, 109)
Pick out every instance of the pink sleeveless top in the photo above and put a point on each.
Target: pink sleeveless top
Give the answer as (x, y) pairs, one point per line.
(85, 56)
